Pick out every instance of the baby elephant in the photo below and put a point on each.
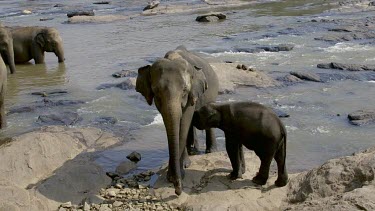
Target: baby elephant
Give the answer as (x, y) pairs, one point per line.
(253, 125)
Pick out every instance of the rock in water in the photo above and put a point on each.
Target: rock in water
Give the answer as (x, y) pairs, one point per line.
(134, 156)
(306, 76)
(80, 13)
(362, 117)
(151, 5)
(125, 167)
(65, 118)
(211, 17)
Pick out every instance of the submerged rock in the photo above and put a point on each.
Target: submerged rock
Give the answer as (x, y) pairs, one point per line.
(106, 120)
(88, 12)
(102, 2)
(127, 84)
(65, 118)
(349, 67)
(362, 117)
(125, 73)
(211, 17)
(125, 167)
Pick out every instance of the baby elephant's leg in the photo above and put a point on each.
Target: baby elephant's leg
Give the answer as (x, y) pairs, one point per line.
(265, 162)
(282, 175)
(242, 159)
(233, 151)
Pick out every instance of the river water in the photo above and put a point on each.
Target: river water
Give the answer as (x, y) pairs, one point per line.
(318, 128)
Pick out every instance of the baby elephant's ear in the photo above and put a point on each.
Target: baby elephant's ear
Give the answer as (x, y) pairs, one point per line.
(143, 84)
(198, 85)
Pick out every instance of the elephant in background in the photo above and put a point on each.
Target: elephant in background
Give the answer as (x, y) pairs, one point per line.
(3, 85)
(179, 84)
(31, 43)
(6, 48)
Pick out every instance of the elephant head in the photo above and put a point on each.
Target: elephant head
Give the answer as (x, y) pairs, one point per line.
(174, 85)
(50, 41)
(6, 48)
(207, 117)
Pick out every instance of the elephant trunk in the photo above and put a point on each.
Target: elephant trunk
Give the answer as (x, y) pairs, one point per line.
(10, 58)
(59, 52)
(172, 116)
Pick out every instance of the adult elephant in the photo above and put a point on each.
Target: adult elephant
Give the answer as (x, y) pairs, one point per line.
(179, 84)
(6, 48)
(31, 43)
(3, 84)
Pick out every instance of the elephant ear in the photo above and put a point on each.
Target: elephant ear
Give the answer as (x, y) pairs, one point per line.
(39, 38)
(199, 85)
(143, 84)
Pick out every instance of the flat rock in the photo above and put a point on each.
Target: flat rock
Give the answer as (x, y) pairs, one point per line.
(349, 67)
(128, 83)
(97, 19)
(206, 186)
(306, 76)
(362, 117)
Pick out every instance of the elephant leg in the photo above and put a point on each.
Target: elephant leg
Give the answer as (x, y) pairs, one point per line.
(234, 157)
(282, 175)
(263, 173)
(186, 160)
(2, 110)
(211, 145)
(192, 142)
(37, 54)
(242, 159)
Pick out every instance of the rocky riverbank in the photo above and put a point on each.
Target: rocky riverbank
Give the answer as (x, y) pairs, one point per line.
(54, 169)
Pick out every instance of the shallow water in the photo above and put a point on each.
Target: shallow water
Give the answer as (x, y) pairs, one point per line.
(94, 51)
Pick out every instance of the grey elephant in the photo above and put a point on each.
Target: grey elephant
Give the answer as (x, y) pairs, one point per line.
(253, 125)
(6, 48)
(179, 84)
(3, 86)
(31, 43)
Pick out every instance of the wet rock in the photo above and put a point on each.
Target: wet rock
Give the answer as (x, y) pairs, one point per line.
(125, 167)
(58, 5)
(362, 76)
(362, 117)
(125, 73)
(127, 84)
(211, 17)
(349, 67)
(306, 76)
(347, 37)
(280, 113)
(371, 3)
(134, 156)
(45, 19)
(65, 118)
(23, 109)
(102, 2)
(106, 120)
(227, 91)
(281, 47)
(290, 79)
(151, 5)
(88, 12)
(45, 103)
(113, 175)
(66, 205)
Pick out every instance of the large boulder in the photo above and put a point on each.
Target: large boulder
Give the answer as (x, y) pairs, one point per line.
(345, 183)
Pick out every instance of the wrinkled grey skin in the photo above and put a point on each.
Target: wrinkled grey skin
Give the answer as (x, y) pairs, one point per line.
(179, 84)
(3, 85)
(6, 48)
(256, 127)
(31, 43)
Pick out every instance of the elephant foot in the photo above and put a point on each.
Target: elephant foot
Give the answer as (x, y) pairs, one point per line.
(192, 151)
(281, 181)
(178, 187)
(259, 180)
(187, 162)
(211, 149)
(234, 176)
